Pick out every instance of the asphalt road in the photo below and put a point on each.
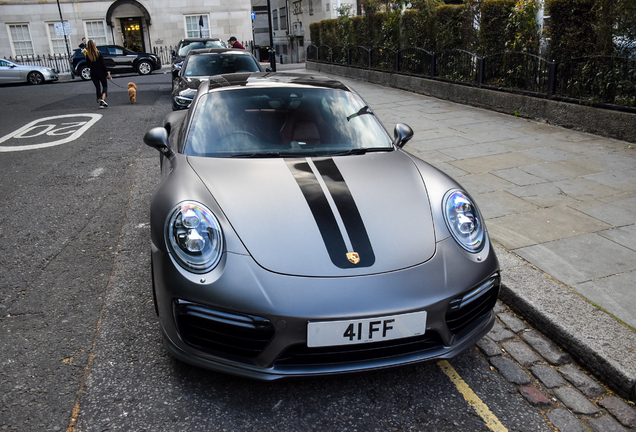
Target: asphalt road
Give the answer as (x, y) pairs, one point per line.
(80, 347)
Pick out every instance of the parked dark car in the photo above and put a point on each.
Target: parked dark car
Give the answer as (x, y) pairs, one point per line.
(118, 59)
(201, 64)
(187, 45)
(292, 236)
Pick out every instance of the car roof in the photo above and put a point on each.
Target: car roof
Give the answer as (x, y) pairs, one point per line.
(198, 40)
(271, 79)
(199, 51)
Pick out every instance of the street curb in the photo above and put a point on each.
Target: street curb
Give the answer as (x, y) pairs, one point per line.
(595, 340)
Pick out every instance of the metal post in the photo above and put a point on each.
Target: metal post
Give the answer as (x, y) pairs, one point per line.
(272, 51)
(68, 52)
(551, 79)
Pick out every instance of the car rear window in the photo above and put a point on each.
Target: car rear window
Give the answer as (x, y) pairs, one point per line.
(282, 121)
(215, 64)
(188, 46)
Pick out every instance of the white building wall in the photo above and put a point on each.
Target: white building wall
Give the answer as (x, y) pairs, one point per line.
(227, 18)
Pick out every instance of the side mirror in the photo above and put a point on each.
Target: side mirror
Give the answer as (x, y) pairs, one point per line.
(157, 138)
(402, 134)
(268, 69)
(173, 53)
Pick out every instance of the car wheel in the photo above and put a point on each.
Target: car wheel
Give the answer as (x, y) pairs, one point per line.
(85, 72)
(35, 78)
(144, 68)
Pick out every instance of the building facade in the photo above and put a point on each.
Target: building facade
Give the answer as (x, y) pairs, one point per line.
(34, 27)
(290, 24)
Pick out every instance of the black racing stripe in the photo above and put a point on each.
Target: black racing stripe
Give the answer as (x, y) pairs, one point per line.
(348, 211)
(319, 206)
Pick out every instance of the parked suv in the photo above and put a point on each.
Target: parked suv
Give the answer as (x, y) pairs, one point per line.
(185, 46)
(118, 59)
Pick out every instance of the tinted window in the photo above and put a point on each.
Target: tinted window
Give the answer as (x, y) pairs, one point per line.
(216, 64)
(282, 121)
(188, 46)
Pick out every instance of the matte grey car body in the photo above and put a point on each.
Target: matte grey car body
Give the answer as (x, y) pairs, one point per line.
(11, 72)
(293, 237)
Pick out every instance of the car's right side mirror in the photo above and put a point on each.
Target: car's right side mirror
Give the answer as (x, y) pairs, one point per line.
(402, 134)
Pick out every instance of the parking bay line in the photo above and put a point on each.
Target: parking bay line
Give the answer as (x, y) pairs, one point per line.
(473, 400)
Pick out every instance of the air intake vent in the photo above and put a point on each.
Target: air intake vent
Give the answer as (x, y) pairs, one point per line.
(302, 355)
(472, 305)
(221, 332)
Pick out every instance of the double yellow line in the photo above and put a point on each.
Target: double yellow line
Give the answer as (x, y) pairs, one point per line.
(473, 400)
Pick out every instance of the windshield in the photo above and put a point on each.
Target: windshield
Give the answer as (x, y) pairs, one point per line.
(283, 121)
(215, 64)
(187, 46)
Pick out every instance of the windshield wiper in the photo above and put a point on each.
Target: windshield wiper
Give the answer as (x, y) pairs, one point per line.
(361, 151)
(271, 154)
(364, 110)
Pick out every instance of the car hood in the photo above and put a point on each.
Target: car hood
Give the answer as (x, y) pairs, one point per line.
(340, 216)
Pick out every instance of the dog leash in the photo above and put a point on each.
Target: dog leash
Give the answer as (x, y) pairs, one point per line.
(116, 85)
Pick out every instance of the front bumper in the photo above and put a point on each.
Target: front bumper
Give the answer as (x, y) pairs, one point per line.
(243, 320)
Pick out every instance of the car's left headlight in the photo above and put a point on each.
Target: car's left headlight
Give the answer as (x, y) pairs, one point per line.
(194, 237)
(463, 220)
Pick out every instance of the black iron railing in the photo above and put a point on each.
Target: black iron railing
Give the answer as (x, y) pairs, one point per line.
(599, 80)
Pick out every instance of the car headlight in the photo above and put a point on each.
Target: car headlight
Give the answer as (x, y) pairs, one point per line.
(464, 221)
(178, 66)
(185, 97)
(194, 237)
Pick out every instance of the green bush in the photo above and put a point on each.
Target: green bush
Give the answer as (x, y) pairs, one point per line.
(314, 33)
(419, 26)
(451, 27)
(571, 28)
(495, 34)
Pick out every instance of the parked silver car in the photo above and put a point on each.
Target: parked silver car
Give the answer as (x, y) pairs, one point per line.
(11, 72)
(291, 236)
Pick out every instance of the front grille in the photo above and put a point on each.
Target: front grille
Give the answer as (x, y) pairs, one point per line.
(302, 355)
(472, 305)
(221, 332)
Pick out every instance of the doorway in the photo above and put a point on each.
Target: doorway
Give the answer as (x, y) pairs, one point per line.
(132, 34)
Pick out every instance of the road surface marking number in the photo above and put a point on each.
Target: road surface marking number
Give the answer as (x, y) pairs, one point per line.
(48, 128)
(473, 400)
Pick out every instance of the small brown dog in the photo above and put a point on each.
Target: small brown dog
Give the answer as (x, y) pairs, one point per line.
(132, 92)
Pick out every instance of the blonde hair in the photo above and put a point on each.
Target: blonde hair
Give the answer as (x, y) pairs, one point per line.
(91, 50)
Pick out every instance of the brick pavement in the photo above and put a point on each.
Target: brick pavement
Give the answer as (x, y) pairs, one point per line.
(570, 399)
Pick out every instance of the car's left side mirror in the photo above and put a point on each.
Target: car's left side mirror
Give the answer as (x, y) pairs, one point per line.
(268, 69)
(402, 134)
(173, 53)
(157, 138)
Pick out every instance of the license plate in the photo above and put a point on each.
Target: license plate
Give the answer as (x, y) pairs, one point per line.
(365, 330)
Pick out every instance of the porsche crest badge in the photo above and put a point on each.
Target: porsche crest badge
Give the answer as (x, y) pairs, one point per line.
(353, 257)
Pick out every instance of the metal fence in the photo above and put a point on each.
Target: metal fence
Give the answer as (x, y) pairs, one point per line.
(598, 80)
(59, 62)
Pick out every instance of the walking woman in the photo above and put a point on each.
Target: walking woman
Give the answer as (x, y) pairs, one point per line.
(99, 73)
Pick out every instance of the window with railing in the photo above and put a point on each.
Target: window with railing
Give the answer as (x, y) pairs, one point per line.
(197, 26)
(21, 39)
(58, 45)
(96, 30)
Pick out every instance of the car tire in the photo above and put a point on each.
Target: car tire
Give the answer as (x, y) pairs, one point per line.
(35, 78)
(144, 68)
(84, 72)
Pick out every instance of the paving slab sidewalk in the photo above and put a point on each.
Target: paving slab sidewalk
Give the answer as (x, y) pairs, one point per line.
(561, 207)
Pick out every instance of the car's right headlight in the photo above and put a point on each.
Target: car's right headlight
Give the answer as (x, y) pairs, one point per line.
(194, 237)
(464, 221)
(185, 97)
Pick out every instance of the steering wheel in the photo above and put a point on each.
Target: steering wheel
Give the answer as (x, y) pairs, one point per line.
(240, 140)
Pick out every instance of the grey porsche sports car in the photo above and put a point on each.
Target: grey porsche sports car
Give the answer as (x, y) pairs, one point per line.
(292, 236)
